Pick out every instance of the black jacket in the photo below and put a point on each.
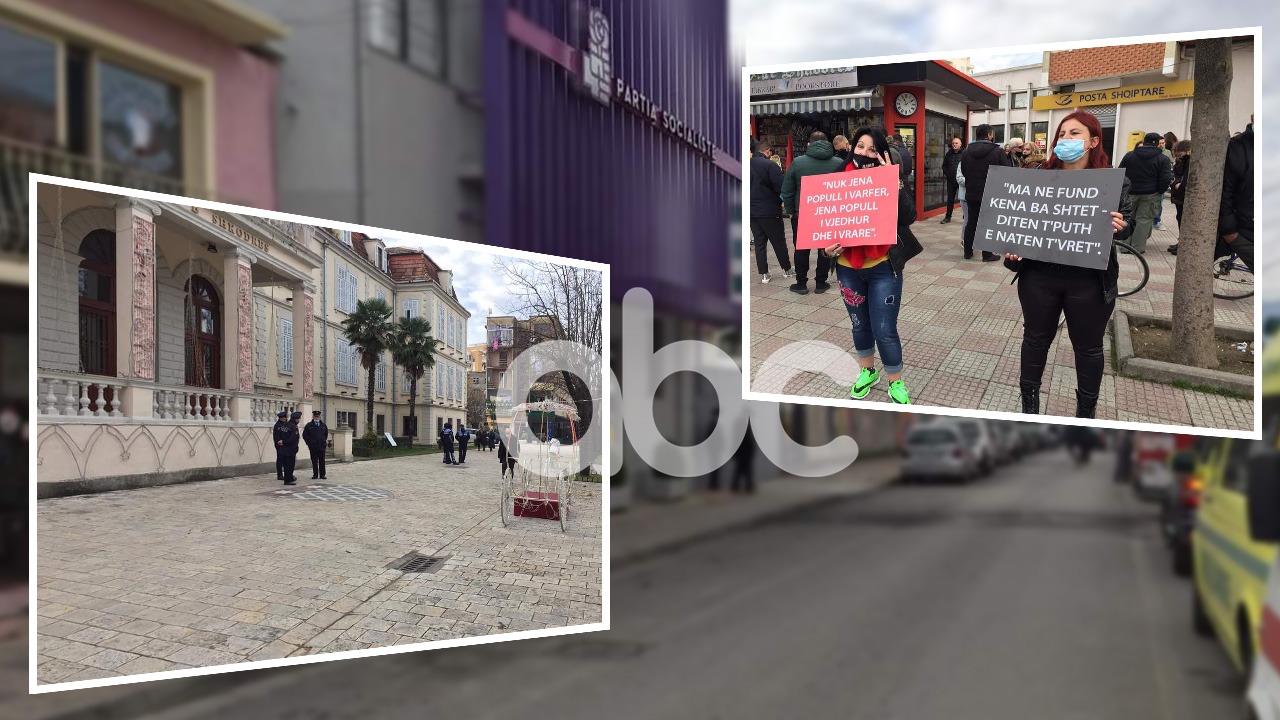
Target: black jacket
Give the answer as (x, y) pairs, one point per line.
(1236, 213)
(446, 437)
(1181, 168)
(289, 434)
(1148, 170)
(1110, 275)
(315, 433)
(975, 161)
(819, 158)
(464, 436)
(766, 187)
(950, 162)
(505, 452)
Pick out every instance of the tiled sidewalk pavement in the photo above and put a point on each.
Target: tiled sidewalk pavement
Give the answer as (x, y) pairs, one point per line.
(222, 572)
(961, 328)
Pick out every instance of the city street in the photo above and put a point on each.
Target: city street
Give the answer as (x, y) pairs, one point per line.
(961, 330)
(211, 573)
(1042, 592)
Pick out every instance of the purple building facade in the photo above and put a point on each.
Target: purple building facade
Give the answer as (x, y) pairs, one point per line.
(632, 162)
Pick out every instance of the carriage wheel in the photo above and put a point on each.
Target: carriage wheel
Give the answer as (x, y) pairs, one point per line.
(505, 503)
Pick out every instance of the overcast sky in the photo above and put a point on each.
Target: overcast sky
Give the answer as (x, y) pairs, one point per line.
(783, 31)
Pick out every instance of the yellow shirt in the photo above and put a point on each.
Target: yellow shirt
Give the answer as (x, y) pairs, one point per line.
(866, 263)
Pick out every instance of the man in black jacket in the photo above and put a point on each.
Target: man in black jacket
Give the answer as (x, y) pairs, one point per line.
(315, 435)
(950, 162)
(289, 442)
(975, 161)
(446, 442)
(766, 212)
(1150, 174)
(1235, 216)
(278, 433)
(819, 158)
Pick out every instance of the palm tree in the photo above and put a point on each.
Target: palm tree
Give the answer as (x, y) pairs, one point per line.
(369, 329)
(413, 348)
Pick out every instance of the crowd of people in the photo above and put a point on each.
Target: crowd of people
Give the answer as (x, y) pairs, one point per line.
(871, 277)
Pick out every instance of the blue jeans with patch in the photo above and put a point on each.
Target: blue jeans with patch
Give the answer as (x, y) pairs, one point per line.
(872, 296)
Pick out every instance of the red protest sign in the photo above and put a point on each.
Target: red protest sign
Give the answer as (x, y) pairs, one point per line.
(850, 208)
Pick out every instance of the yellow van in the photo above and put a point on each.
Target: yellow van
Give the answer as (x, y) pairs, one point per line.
(1231, 568)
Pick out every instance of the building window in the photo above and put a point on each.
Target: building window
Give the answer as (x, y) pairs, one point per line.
(440, 321)
(380, 375)
(286, 346)
(452, 336)
(998, 131)
(381, 295)
(28, 88)
(1040, 134)
(349, 417)
(1018, 130)
(410, 308)
(380, 422)
(1019, 100)
(411, 30)
(1003, 103)
(98, 303)
(347, 360)
(1042, 92)
(439, 380)
(141, 121)
(345, 237)
(203, 334)
(347, 289)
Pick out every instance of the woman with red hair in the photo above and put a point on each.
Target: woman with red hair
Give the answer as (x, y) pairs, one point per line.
(1086, 296)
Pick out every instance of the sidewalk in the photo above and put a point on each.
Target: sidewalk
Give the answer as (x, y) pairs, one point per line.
(961, 329)
(643, 531)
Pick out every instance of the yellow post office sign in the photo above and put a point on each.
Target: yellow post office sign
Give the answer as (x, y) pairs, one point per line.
(1129, 93)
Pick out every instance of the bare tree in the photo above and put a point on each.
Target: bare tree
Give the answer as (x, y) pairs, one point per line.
(1193, 336)
(574, 298)
(477, 409)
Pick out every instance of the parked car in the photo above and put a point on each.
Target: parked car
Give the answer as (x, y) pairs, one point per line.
(1263, 696)
(1230, 566)
(977, 434)
(939, 450)
(1152, 474)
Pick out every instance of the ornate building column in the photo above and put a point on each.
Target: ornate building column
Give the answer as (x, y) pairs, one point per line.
(237, 330)
(303, 332)
(136, 300)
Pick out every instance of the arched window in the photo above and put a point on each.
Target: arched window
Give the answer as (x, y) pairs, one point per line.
(97, 281)
(203, 334)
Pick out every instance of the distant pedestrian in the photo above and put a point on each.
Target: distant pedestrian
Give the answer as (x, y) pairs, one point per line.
(1015, 152)
(446, 442)
(508, 449)
(316, 435)
(1235, 216)
(842, 147)
(1150, 175)
(1166, 148)
(900, 144)
(1181, 174)
(278, 433)
(976, 161)
(464, 437)
(744, 479)
(766, 213)
(819, 158)
(950, 164)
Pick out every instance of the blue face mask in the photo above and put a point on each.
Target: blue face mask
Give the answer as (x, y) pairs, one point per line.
(1069, 150)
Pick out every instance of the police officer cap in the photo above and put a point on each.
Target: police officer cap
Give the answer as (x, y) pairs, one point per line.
(315, 413)
(282, 414)
(296, 415)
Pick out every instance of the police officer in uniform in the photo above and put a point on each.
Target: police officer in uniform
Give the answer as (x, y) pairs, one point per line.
(277, 440)
(289, 443)
(446, 442)
(315, 435)
(464, 436)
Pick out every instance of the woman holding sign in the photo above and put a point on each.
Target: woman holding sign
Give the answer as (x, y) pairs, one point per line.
(870, 278)
(1086, 296)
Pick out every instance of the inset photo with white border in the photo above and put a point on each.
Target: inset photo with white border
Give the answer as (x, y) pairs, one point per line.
(263, 439)
(1067, 233)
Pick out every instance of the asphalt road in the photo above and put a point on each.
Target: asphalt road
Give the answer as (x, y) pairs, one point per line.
(1042, 592)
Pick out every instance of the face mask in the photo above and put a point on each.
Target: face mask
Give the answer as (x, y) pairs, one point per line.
(1069, 150)
(862, 161)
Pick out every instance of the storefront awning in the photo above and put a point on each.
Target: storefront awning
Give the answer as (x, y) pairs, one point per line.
(859, 102)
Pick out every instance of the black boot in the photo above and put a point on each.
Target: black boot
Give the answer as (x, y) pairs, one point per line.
(1031, 398)
(1086, 404)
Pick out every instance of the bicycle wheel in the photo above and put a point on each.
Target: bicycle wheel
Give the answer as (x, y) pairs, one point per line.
(1134, 272)
(504, 502)
(564, 504)
(1231, 279)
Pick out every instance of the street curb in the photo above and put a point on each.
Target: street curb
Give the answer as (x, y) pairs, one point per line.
(729, 528)
(1166, 372)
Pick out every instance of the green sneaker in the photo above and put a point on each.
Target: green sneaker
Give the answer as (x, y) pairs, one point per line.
(866, 380)
(898, 392)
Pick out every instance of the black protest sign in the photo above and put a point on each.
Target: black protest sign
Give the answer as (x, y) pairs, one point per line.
(1060, 216)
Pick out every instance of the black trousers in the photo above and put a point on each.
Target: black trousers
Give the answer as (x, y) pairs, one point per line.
(953, 188)
(769, 231)
(448, 453)
(462, 451)
(290, 459)
(281, 453)
(802, 261)
(971, 227)
(317, 461)
(1045, 297)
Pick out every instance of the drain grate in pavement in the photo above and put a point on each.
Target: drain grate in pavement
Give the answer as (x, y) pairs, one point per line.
(418, 563)
(330, 493)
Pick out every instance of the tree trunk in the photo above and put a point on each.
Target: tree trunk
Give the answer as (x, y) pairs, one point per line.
(581, 395)
(1193, 337)
(413, 405)
(368, 412)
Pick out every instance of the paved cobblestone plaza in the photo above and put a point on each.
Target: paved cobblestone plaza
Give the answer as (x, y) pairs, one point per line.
(961, 330)
(210, 573)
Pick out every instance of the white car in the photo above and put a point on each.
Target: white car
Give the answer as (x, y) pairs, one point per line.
(978, 438)
(938, 450)
(1264, 524)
